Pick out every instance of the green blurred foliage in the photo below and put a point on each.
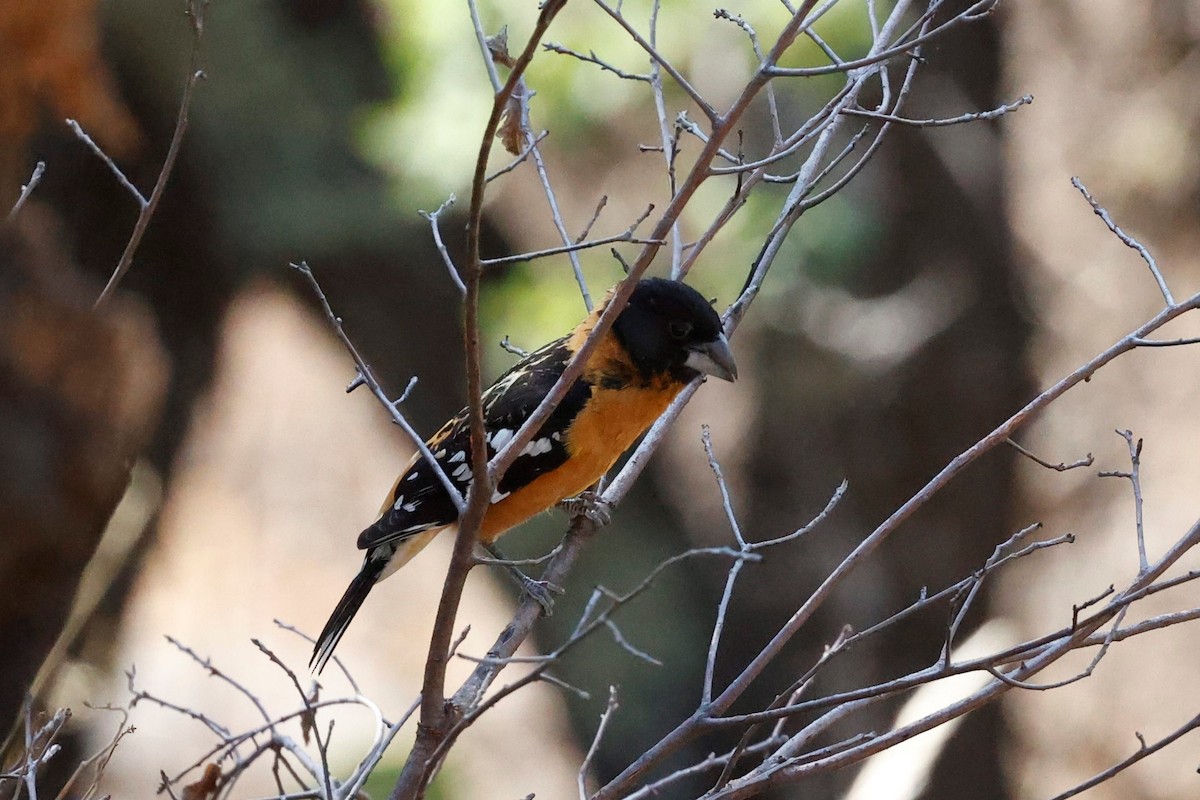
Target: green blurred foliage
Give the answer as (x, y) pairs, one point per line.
(430, 131)
(383, 779)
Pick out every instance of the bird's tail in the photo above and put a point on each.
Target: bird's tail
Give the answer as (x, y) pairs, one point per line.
(373, 566)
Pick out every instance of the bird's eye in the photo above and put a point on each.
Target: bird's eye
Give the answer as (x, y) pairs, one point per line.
(680, 330)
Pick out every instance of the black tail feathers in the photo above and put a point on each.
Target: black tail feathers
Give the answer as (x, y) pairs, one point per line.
(347, 607)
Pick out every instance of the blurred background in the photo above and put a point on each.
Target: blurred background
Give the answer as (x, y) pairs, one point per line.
(908, 316)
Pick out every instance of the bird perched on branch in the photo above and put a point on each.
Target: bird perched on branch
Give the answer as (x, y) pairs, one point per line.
(666, 336)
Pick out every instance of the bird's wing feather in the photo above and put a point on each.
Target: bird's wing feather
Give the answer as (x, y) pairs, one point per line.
(420, 502)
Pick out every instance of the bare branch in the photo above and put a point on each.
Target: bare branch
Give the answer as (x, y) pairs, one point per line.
(905, 46)
(367, 376)
(437, 716)
(834, 499)
(626, 236)
(195, 11)
(600, 204)
(433, 218)
(1142, 751)
(341, 666)
(658, 59)
(1167, 342)
(1086, 461)
(520, 158)
(1129, 241)
(309, 714)
(592, 58)
(595, 746)
(1134, 476)
(512, 348)
(38, 170)
(995, 113)
(82, 135)
(625, 644)
(691, 727)
(1086, 673)
(706, 438)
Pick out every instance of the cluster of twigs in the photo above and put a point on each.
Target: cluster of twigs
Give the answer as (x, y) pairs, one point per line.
(41, 732)
(299, 767)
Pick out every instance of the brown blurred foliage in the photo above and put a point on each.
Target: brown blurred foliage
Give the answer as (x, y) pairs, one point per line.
(52, 65)
(80, 394)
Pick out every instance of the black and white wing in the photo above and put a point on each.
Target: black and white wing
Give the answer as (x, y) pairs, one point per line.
(420, 502)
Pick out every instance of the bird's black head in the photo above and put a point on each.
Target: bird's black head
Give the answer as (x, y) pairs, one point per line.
(669, 329)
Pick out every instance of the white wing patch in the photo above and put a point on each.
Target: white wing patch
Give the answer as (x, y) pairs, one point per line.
(538, 446)
(500, 438)
(410, 507)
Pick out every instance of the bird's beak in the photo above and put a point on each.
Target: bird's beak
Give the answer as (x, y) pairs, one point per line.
(713, 358)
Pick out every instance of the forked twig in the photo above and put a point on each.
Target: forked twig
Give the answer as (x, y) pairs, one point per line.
(195, 11)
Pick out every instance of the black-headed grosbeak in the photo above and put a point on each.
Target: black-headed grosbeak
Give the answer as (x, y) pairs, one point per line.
(666, 336)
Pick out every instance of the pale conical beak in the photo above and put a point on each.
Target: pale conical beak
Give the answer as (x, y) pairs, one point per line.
(713, 358)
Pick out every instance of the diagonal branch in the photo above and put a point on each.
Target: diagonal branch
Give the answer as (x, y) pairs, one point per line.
(195, 11)
(1129, 241)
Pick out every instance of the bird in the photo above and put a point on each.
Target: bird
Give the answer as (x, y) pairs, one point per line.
(665, 337)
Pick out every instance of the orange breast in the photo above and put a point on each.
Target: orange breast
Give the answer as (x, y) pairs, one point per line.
(602, 431)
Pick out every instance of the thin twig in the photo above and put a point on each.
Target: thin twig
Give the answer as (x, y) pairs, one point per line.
(1129, 241)
(1135, 480)
(368, 378)
(1167, 342)
(433, 218)
(520, 157)
(1086, 461)
(628, 647)
(977, 583)
(83, 136)
(345, 671)
(1142, 751)
(512, 348)
(834, 499)
(880, 56)
(1086, 673)
(658, 59)
(600, 204)
(592, 58)
(609, 709)
(574, 247)
(715, 466)
(38, 170)
(995, 113)
(322, 745)
(195, 11)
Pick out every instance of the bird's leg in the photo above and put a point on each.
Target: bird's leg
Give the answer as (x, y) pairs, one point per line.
(541, 591)
(591, 505)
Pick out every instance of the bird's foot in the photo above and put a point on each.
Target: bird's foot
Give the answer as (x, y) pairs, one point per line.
(542, 592)
(590, 505)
